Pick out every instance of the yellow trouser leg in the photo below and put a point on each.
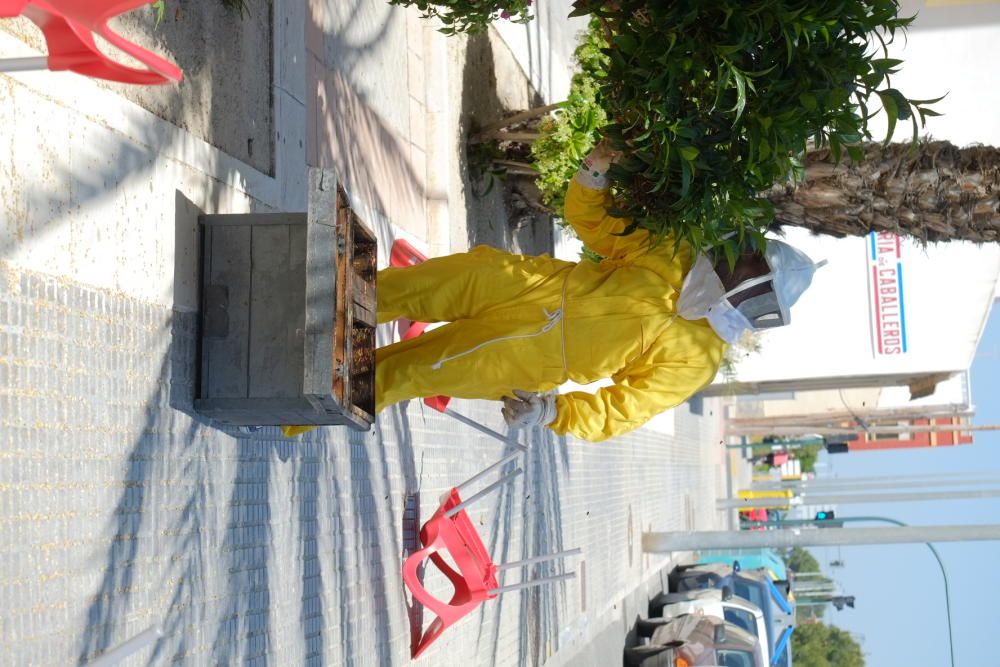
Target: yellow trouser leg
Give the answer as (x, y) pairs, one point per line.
(455, 288)
(406, 370)
(463, 285)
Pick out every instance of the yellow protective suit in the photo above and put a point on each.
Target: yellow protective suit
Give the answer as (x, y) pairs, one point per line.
(531, 323)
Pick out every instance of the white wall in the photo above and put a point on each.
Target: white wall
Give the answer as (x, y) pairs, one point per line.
(953, 48)
(948, 289)
(953, 391)
(544, 47)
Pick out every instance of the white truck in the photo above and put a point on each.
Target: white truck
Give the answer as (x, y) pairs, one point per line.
(707, 602)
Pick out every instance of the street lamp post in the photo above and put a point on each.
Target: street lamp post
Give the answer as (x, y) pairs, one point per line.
(944, 574)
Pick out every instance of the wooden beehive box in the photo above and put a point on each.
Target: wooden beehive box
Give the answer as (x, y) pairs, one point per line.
(288, 319)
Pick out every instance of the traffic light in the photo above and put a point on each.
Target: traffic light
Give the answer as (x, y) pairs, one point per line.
(840, 600)
(827, 519)
(838, 444)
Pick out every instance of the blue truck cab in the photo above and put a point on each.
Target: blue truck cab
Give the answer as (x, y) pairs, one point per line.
(756, 585)
(750, 559)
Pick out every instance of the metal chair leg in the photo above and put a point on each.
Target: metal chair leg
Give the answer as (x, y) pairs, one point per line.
(24, 64)
(485, 471)
(539, 559)
(532, 583)
(484, 429)
(489, 489)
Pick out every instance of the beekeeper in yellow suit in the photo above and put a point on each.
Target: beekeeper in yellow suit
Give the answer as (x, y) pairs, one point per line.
(654, 320)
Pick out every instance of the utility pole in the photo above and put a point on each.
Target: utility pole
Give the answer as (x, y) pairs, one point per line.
(666, 542)
(934, 552)
(808, 589)
(880, 481)
(867, 414)
(806, 429)
(853, 498)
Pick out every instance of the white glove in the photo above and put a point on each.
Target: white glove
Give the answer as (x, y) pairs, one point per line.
(593, 173)
(529, 409)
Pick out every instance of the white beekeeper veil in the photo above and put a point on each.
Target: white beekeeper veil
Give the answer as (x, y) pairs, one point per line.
(790, 273)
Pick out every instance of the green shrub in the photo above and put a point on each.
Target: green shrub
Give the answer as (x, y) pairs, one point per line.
(568, 136)
(714, 102)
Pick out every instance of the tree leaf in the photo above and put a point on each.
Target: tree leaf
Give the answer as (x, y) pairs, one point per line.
(627, 43)
(689, 153)
(885, 65)
(891, 111)
(686, 176)
(741, 93)
(835, 149)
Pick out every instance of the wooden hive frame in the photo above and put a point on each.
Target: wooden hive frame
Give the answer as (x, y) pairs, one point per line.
(289, 310)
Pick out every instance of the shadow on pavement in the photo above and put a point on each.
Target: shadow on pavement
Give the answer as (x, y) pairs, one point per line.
(155, 458)
(497, 213)
(204, 511)
(212, 521)
(542, 512)
(227, 57)
(370, 156)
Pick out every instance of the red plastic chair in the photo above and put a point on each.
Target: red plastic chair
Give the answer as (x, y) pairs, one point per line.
(404, 254)
(69, 27)
(475, 579)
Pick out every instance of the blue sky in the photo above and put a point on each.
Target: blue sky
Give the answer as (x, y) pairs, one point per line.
(900, 610)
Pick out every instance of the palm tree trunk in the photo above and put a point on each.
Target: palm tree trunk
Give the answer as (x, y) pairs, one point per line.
(934, 192)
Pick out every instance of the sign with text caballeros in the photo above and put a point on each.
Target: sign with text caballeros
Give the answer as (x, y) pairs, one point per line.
(886, 307)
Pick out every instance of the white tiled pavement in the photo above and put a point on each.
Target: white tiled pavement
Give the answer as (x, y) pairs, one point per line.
(121, 508)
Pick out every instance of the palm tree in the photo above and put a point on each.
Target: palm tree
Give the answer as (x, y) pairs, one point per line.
(934, 192)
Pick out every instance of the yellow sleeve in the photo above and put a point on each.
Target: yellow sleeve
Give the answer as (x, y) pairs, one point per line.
(683, 359)
(586, 211)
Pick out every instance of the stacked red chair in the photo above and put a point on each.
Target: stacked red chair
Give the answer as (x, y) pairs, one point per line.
(474, 577)
(69, 27)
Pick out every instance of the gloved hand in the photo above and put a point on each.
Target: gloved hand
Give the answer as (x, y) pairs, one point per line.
(529, 409)
(593, 172)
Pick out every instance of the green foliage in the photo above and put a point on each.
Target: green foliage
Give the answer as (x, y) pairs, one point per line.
(470, 16)
(567, 137)
(714, 102)
(808, 614)
(800, 560)
(807, 455)
(821, 645)
(160, 7)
